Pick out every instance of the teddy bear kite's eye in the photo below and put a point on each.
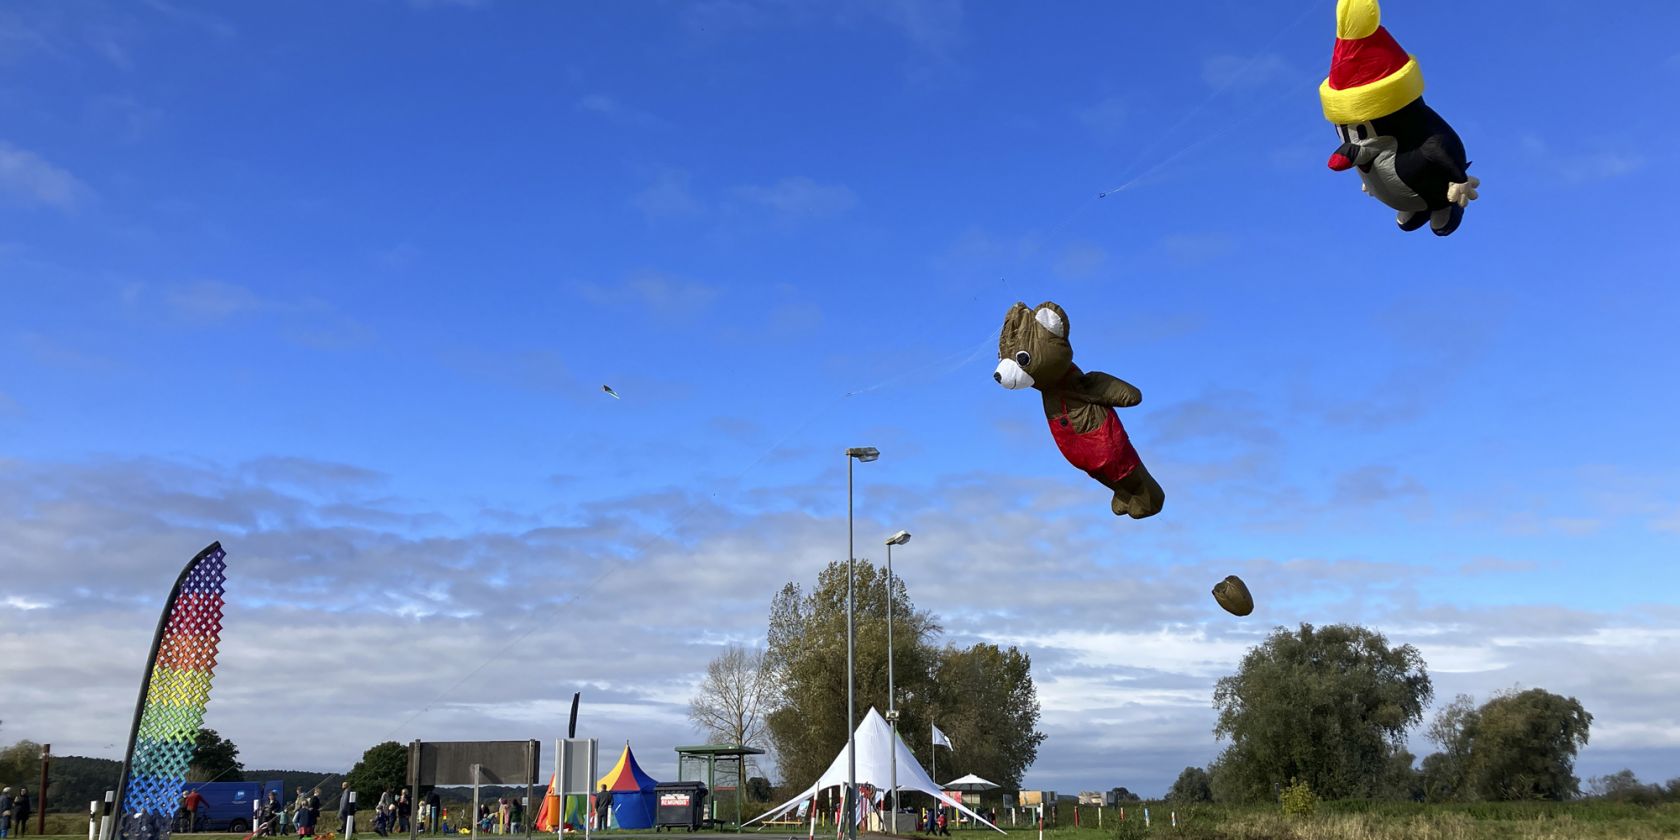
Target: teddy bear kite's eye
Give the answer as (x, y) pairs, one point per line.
(1023, 358)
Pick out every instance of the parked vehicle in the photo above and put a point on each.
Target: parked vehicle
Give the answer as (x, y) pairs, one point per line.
(228, 806)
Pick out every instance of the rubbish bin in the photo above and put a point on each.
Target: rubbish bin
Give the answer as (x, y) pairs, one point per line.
(681, 804)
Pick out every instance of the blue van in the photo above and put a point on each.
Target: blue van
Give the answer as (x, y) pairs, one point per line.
(230, 806)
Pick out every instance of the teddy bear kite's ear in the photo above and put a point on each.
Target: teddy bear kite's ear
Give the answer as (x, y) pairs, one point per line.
(1052, 318)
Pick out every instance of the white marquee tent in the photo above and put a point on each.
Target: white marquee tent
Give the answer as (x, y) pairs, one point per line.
(874, 744)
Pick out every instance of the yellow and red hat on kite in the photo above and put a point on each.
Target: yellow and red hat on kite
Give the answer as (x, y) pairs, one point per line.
(1370, 75)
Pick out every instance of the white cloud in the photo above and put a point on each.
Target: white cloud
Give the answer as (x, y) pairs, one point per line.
(327, 564)
(1108, 118)
(1245, 72)
(660, 294)
(215, 300)
(607, 106)
(934, 29)
(1583, 166)
(669, 196)
(28, 177)
(307, 322)
(212, 24)
(799, 197)
(934, 26)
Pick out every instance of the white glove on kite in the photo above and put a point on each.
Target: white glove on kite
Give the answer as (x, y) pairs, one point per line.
(1463, 194)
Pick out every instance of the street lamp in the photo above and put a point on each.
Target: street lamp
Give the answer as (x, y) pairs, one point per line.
(899, 538)
(864, 454)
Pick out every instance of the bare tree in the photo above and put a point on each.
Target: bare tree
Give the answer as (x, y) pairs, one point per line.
(733, 698)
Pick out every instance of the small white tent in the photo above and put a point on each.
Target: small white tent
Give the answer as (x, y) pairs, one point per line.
(875, 747)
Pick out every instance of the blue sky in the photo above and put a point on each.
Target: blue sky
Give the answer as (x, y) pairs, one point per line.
(339, 283)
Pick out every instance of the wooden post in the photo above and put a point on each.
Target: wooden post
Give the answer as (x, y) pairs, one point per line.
(41, 794)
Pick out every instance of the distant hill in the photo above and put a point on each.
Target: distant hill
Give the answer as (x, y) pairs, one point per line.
(291, 780)
(74, 781)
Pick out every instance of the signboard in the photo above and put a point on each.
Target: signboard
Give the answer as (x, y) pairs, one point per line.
(675, 800)
(452, 762)
(575, 765)
(1034, 798)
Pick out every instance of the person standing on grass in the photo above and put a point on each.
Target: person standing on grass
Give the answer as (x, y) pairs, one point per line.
(193, 802)
(20, 813)
(403, 808)
(5, 812)
(301, 820)
(346, 809)
(603, 808)
(312, 807)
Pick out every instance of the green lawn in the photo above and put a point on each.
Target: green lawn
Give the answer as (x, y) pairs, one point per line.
(1385, 821)
(1333, 821)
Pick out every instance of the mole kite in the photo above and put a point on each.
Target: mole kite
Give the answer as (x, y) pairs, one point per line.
(1408, 157)
(1033, 352)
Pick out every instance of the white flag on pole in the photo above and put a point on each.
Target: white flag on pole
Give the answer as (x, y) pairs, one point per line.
(941, 740)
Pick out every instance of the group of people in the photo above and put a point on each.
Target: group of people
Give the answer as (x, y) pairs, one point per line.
(504, 818)
(14, 812)
(306, 811)
(391, 814)
(933, 821)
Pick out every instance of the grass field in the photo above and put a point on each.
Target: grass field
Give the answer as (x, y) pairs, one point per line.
(1387, 821)
(1333, 821)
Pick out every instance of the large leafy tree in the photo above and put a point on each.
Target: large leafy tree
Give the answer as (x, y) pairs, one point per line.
(20, 762)
(1443, 771)
(215, 759)
(807, 654)
(1329, 706)
(1518, 745)
(383, 767)
(982, 697)
(1192, 785)
(986, 703)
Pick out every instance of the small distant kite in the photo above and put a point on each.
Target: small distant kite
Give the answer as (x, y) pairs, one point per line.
(611, 392)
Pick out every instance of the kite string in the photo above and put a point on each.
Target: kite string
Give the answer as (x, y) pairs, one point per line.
(1218, 91)
(1204, 141)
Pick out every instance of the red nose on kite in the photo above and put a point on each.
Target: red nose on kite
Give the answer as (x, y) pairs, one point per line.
(1341, 162)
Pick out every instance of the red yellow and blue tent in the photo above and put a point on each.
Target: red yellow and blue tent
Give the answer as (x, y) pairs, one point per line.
(633, 800)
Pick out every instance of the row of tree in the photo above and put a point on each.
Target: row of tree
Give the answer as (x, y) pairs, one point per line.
(790, 698)
(1330, 707)
(74, 781)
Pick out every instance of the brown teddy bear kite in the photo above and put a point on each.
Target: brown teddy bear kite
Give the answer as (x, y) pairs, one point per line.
(1033, 352)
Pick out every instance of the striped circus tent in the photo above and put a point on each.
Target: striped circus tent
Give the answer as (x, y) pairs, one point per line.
(633, 799)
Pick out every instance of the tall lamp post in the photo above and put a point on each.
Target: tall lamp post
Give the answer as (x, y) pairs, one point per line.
(864, 454)
(899, 538)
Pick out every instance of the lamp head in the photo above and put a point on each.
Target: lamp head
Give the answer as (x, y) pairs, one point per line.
(863, 453)
(899, 538)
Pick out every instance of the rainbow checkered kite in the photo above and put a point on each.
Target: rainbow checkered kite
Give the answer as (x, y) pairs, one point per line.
(172, 698)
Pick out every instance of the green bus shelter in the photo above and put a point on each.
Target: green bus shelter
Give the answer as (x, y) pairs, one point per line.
(703, 763)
